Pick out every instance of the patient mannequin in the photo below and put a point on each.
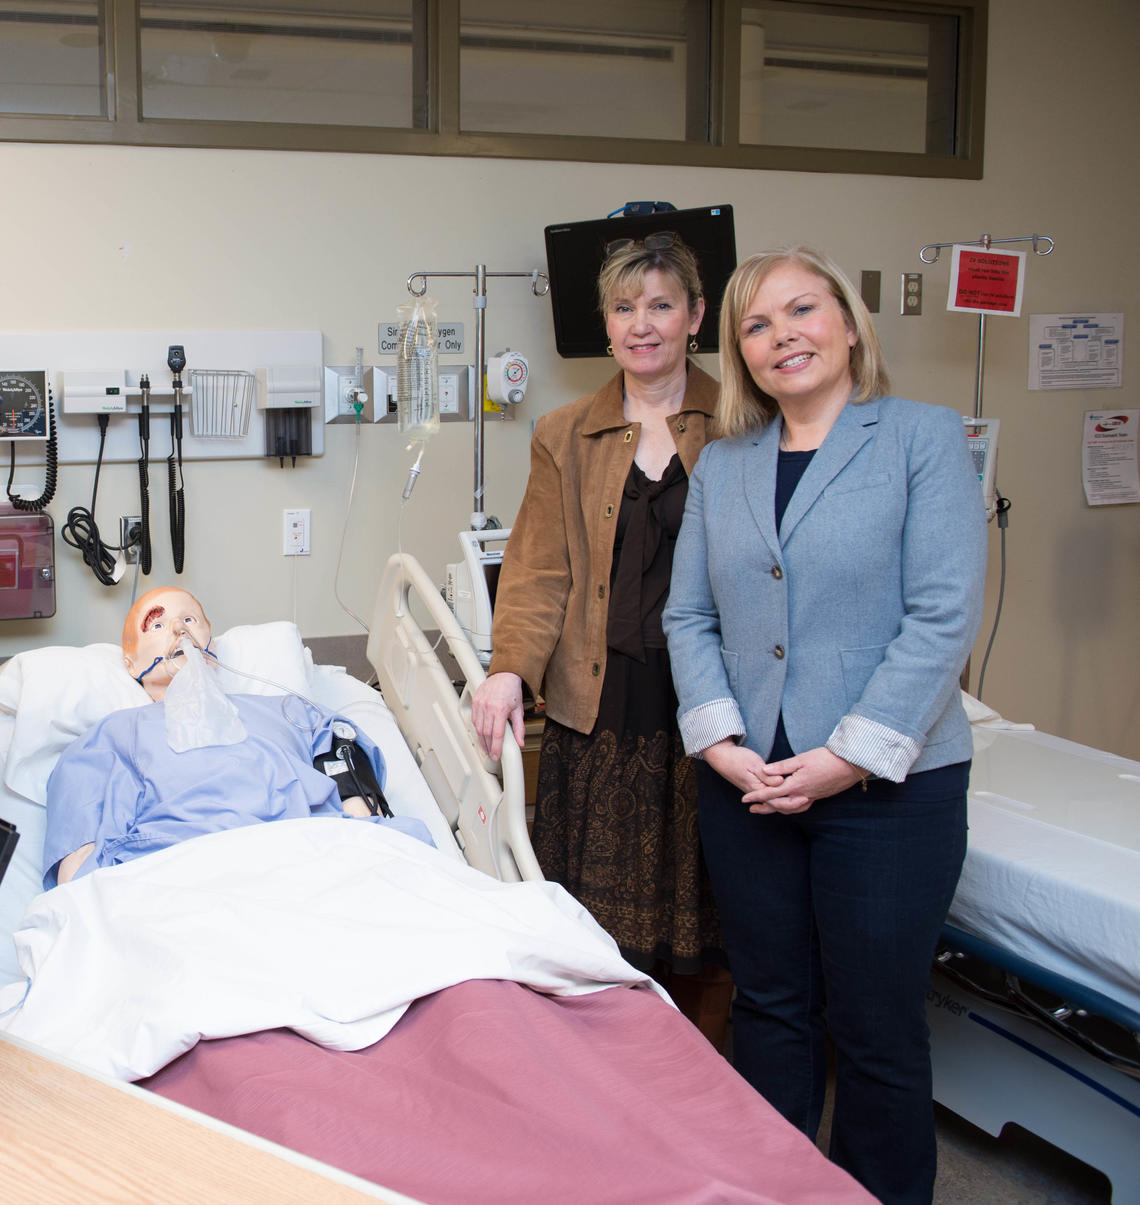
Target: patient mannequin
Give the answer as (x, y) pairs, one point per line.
(121, 791)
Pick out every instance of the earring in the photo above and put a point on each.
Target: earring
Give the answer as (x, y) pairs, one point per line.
(609, 349)
(693, 344)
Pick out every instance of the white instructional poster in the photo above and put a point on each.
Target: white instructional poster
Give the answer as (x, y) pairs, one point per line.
(1109, 457)
(1075, 351)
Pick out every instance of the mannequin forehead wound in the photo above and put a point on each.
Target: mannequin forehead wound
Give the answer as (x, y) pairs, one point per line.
(151, 606)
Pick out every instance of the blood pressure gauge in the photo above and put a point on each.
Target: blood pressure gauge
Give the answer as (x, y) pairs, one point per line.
(23, 405)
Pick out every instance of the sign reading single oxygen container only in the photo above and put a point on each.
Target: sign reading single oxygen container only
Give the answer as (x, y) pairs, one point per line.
(449, 338)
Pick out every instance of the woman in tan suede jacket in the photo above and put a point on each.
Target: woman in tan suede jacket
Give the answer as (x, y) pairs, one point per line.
(578, 618)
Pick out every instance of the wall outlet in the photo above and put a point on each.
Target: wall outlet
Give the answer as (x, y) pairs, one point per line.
(455, 392)
(911, 302)
(130, 525)
(297, 530)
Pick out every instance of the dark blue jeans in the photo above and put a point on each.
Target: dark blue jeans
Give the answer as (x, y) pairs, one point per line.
(830, 921)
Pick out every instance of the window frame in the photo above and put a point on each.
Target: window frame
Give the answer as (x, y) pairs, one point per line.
(438, 108)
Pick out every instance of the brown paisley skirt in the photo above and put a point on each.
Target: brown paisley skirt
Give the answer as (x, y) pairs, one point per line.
(616, 821)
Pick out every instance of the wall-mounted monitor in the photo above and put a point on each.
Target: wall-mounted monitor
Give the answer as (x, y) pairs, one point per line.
(574, 255)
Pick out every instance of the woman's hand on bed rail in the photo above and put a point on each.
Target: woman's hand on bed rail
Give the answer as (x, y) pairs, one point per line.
(497, 701)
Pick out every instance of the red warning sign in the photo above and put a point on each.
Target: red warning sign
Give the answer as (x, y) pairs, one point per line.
(986, 282)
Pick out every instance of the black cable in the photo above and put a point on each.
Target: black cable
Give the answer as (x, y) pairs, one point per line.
(144, 477)
(144, 517)
(176, 490)
(51, 469)
(1002, 506)
(82, 532)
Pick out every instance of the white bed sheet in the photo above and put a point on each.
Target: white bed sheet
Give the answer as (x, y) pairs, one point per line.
(328, 926)
(1052, 869)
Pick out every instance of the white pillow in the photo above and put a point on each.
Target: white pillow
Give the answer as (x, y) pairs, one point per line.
(271, 651)
(50, 696)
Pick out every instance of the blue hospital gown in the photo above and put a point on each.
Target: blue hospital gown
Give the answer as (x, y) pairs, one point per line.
(122, 787)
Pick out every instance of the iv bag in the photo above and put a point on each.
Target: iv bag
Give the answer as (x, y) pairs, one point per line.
(417, 369)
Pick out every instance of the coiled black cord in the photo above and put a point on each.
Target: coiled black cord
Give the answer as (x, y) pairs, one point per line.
(176, 490)
(144, 518)
(82, 532)
(51, 470)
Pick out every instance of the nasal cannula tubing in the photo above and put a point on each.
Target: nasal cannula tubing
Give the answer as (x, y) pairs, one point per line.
(287, 691)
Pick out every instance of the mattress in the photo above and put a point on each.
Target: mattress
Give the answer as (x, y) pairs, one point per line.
(1052, 871)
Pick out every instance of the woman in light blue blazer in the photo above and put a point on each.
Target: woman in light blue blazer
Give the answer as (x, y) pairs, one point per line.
(826, 591)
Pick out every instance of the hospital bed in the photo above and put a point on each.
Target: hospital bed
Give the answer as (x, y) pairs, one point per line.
(1035, 1004)
(483, 1089)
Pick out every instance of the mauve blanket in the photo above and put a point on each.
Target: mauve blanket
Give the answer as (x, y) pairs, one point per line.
(488, 1092)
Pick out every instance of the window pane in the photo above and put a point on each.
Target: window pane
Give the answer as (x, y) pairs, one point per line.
(814, 76)
(349, 63)
(591, 68)
(51, 57)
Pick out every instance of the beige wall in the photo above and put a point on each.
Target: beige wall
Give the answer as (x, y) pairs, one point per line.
(115, 238)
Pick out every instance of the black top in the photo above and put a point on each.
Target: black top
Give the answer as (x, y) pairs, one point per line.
(790, 468)
(648, 523)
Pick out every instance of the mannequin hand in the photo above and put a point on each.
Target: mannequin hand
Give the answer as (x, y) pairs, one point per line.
(497, 701)
(805, 778)
(69, 866)
(740, 766)
(354, 805)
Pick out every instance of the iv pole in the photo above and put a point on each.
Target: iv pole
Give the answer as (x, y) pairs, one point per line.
(539, 286)
(1042, 245)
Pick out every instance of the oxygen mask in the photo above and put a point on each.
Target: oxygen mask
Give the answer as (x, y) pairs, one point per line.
(198, 713)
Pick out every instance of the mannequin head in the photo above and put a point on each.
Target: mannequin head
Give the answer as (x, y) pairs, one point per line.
(154, 625)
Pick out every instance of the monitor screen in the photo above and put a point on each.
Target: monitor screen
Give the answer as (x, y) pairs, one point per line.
(574, 255)
(491, 571)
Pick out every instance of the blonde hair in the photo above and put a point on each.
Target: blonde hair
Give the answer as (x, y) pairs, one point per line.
(744, 406)
(624, 272)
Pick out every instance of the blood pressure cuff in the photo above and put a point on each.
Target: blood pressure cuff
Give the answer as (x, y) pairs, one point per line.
(348, 765)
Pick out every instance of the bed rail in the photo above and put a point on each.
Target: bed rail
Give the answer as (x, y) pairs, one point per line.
(482, 800)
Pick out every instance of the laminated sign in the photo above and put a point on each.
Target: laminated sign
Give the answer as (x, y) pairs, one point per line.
(986, 282)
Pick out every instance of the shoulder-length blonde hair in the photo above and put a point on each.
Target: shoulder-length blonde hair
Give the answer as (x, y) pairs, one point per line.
(623, 273)
(744, 406)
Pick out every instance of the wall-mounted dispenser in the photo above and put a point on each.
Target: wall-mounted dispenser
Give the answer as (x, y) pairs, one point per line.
(290, 396)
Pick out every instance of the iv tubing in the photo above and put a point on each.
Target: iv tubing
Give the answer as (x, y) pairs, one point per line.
(344, 531)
